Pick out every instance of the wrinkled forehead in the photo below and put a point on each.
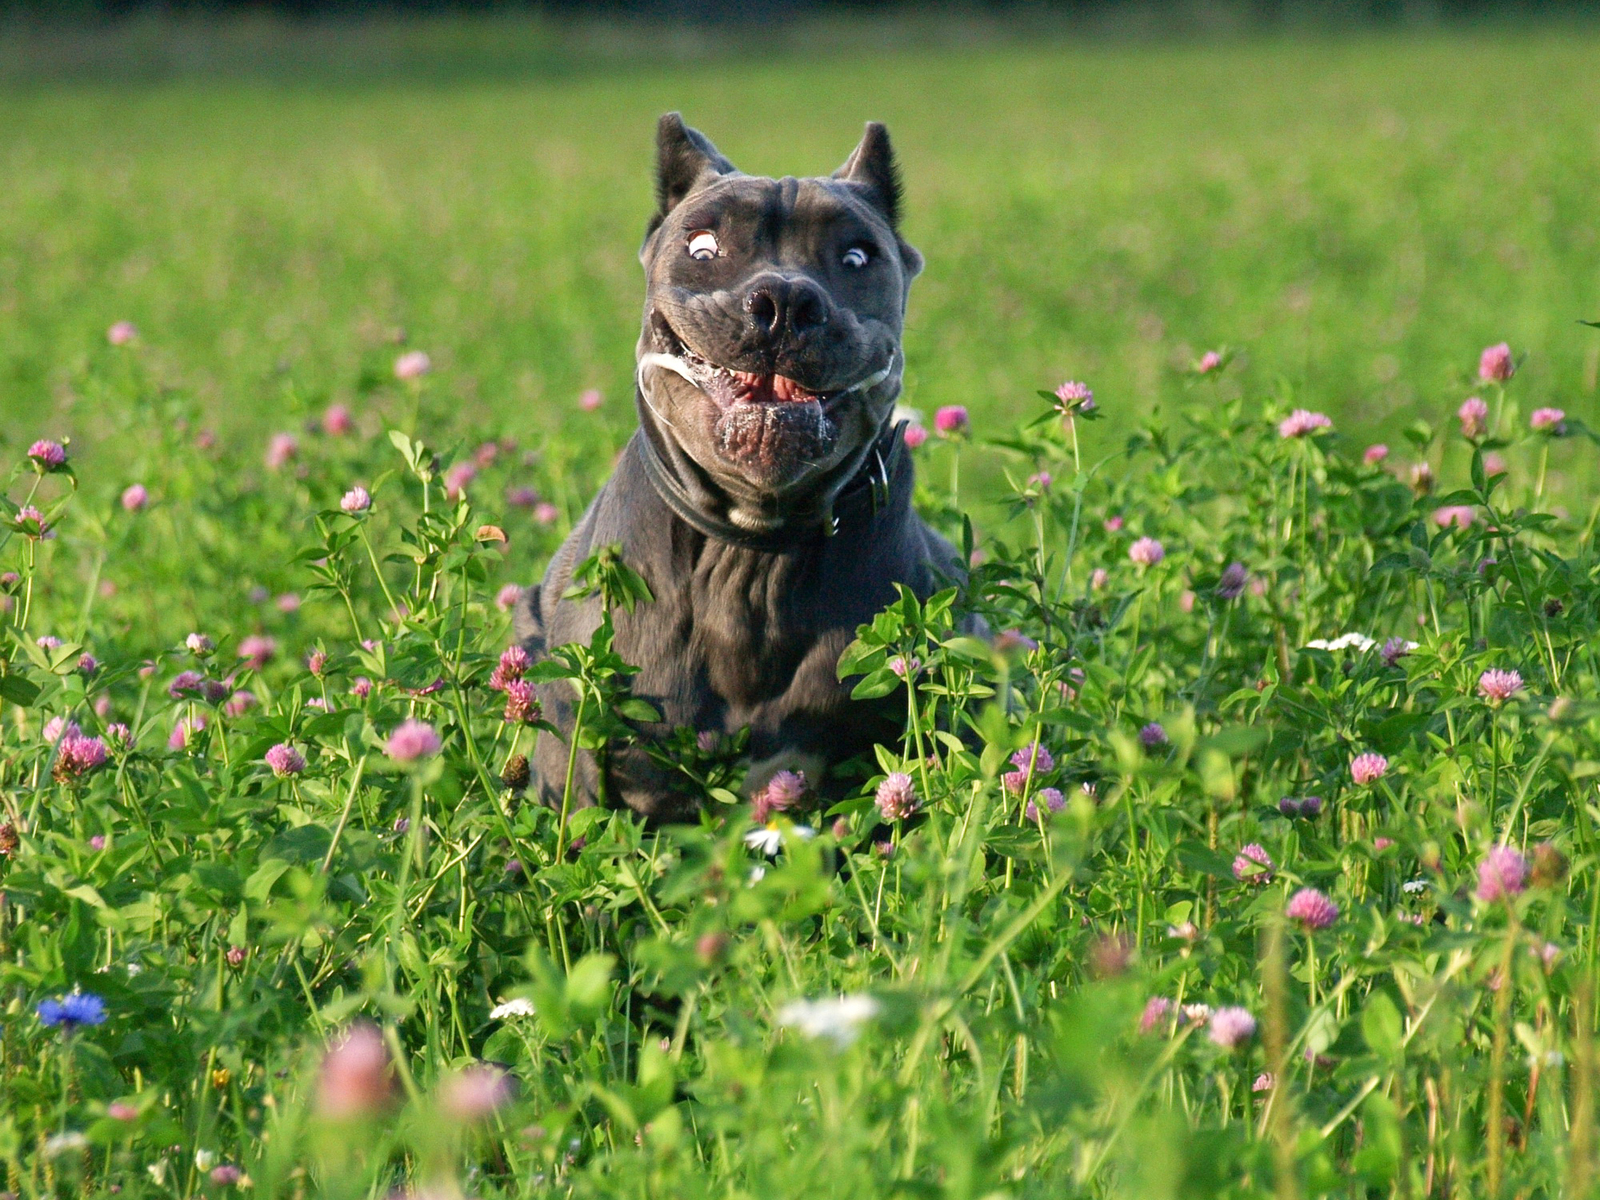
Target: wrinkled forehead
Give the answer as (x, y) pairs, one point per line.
(778, 209)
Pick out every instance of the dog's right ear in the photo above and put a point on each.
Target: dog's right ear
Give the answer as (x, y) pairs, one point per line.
(685, 162)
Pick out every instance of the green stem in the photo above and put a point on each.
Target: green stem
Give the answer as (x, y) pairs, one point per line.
(1137, 860)
(413, 851)
(372, 556)
(1311, 972)
(344, 817)
(1494, 769)
(914, 719)
(1038, 536)
(572, 767)
(27, 587)
(1497, 1064)
(355, 622)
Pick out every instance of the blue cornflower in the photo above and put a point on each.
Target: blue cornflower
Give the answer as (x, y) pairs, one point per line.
(69, 1012)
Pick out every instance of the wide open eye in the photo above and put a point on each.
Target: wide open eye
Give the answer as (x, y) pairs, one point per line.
(703, 245)
(855, 257)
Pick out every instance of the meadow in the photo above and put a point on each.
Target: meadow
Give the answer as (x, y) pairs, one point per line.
(1354, 213)
(1253, 853)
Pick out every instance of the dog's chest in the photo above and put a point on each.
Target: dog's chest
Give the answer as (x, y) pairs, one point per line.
(753, 623)
(745, 638)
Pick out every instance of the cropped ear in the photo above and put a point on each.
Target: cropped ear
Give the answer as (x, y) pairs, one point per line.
(685, 162)
(872, 164)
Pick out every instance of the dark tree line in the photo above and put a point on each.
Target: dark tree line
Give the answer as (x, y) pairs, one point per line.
(1264, 12)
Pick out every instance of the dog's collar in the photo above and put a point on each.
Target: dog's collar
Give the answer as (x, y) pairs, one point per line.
(863, 488)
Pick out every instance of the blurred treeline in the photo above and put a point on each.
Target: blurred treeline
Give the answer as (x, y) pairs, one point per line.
(1111, 14)
(45, 41)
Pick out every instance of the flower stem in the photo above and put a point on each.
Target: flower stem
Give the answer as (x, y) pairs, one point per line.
(572, 767)
(372, 556)
(1496, 1118)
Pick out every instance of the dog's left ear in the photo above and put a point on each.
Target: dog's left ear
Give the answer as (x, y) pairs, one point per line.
(872, 164)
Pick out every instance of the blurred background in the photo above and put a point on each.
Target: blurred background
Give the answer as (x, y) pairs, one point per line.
(1353, 198)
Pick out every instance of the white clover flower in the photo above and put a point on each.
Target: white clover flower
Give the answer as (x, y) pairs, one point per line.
(1414, 887)
(838, 1020)
(65, 1143)
(1359, 641)
(512, 1008)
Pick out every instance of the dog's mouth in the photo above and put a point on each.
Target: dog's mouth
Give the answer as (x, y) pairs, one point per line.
(727, 386)
(773, 428)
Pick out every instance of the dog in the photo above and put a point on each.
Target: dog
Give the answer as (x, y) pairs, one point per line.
(765, 498)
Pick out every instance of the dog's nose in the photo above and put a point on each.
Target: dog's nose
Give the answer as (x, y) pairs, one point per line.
(777, 306)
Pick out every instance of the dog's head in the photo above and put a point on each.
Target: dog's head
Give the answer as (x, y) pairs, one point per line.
(770, 351)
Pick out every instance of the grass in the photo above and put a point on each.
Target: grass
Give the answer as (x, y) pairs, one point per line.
(333, 966)
(328, 967)
(1354, 212)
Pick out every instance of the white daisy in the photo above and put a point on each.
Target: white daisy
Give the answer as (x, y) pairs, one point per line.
(769, 839)
(766, 839)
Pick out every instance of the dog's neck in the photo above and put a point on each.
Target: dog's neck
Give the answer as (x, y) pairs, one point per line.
(859, 484)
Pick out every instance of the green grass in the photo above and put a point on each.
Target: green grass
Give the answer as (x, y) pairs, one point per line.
(1359, 214)
(1356, 218)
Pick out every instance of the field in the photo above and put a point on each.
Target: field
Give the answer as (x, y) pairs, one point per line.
(1253, 856)
(1359, 215)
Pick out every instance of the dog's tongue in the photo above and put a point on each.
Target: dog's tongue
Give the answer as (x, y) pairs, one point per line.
(771, 387)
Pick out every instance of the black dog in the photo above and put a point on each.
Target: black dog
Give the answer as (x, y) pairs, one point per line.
(766, 497)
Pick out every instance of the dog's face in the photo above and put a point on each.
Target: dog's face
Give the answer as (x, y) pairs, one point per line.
(771, 343)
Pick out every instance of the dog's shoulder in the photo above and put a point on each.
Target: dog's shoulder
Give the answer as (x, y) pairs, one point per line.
(624, 511)
(945, 567)
(535, 610)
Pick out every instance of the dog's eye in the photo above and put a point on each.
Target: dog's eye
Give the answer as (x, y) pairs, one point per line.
(856, 256)
(703, 245)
